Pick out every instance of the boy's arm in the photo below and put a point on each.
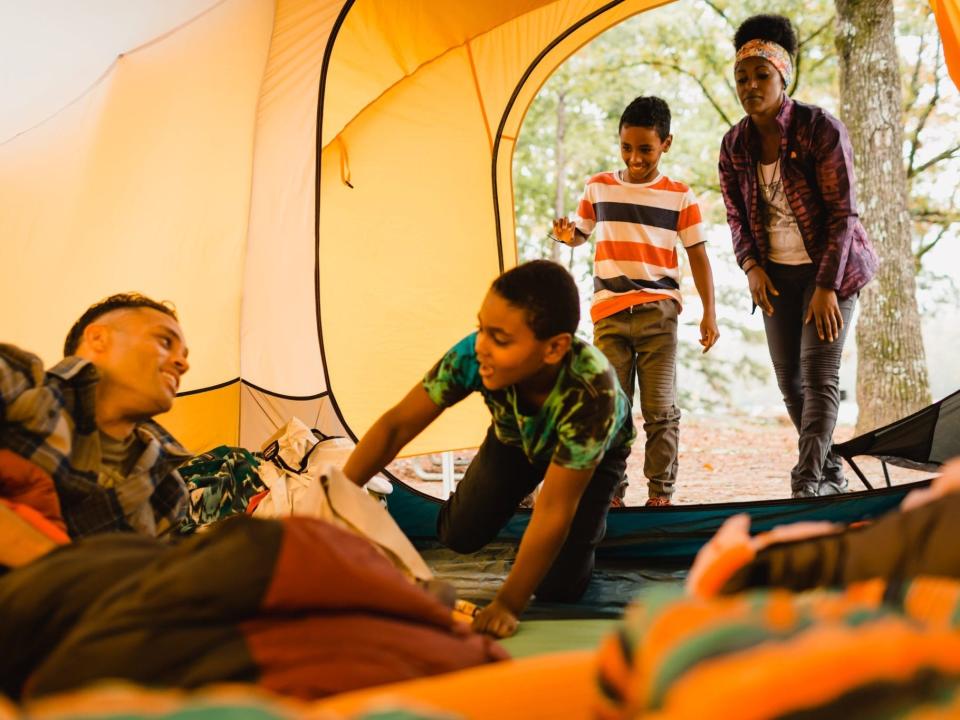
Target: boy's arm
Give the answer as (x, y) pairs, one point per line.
(549, 526)
(703, 279)
(388, 435)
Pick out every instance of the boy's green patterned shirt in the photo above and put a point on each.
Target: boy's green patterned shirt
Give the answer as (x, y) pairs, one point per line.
(586, 413)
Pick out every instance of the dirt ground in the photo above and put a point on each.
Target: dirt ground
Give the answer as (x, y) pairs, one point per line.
(722, 459)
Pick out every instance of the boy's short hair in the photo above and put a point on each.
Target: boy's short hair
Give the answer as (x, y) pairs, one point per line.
(120, 301)
(647, 111)
(546, 292)
(775, 28)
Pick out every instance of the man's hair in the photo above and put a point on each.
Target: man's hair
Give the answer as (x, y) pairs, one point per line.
(647, 111)
(120, 301)
(775, 28)
(547, 294)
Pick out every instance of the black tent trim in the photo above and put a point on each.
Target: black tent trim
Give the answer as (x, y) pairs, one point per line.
(921, 441)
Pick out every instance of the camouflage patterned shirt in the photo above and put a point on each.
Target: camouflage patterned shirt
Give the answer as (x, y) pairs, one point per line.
(585, 414)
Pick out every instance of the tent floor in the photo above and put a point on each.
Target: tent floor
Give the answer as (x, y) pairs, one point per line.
(551, 627)
(540, 637)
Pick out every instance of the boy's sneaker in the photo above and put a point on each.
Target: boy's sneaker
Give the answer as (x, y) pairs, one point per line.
(659, 501)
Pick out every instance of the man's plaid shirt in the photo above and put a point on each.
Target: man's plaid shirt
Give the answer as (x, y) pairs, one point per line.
(49, 419)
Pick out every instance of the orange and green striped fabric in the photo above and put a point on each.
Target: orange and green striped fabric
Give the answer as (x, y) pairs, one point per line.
(872, 650)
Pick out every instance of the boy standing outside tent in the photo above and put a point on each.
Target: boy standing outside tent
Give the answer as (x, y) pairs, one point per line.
(639, 216)
(558, 416)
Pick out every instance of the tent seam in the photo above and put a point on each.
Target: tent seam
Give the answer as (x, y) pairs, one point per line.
(246, 232)
(476, 86)
(106, 73)
(411, 73)
(174, 30)
(241, 381)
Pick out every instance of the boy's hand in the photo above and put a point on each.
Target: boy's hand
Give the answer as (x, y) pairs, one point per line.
(497, 620)
(709, 332)
(564, 230)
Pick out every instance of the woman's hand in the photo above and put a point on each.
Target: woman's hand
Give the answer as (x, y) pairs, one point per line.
(825, 311)
(761, 288)
(497, 620)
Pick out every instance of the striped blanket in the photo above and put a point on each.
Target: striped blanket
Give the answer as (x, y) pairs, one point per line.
(873, 650)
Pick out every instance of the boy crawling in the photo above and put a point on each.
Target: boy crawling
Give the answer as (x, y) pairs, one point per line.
(558, 415)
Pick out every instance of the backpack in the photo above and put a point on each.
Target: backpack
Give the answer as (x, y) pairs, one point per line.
(302, 470)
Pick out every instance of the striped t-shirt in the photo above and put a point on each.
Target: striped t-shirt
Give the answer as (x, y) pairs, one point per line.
(637, 228)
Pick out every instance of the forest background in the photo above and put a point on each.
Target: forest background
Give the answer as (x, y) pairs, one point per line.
(683, 52)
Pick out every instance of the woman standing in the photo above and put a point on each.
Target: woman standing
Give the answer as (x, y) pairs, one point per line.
(786, 172)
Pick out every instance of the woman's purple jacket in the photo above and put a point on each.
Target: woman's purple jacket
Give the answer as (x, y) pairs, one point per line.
(816, 165)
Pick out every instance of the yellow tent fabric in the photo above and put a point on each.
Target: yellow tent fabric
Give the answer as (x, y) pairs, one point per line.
(323, 187)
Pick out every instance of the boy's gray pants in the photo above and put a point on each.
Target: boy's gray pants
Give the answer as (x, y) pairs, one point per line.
(641, 344)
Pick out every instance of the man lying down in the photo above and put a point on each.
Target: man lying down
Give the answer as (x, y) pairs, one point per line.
(297, 606)
(87, 421)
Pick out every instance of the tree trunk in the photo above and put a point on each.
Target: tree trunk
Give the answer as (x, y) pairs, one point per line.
(891, 365)
(559, 204)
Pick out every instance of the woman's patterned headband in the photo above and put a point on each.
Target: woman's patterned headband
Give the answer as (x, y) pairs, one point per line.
(775, 54)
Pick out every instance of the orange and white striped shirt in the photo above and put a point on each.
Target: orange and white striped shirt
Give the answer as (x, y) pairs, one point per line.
(637, 228)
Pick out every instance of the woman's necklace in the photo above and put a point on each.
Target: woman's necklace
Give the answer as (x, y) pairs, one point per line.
(775, 185)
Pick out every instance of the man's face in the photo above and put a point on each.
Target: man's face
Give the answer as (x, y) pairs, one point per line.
(140, 354)
(506, 347)
(641, 148)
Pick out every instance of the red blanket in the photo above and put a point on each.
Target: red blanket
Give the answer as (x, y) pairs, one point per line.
(297, 606)
(29, 492)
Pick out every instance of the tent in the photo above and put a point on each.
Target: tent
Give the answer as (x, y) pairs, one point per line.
(671, 535)
(323, 187)
(284, 172)
(921, 441)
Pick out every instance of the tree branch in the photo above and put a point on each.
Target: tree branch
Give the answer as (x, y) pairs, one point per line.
(914, 94)
(798, 64)
(924, 248)
(816, 33)
(797, 73)
(914, 85)
(935, 217)
(676, 68)
(721, 13)
(822, 61)
(924, 116)
(699, 81)
(945, 155)
(721, 69)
